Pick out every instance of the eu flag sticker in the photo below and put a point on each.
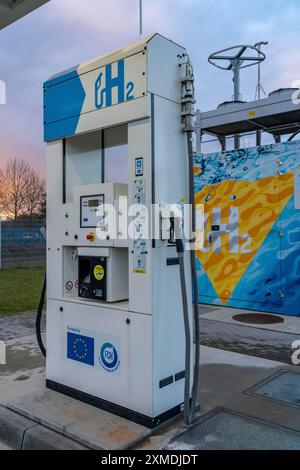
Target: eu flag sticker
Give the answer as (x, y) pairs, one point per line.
(81, 348)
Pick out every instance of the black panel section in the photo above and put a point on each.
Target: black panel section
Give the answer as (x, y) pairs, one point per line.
(165, 382)
(180, 376)
(172, 262)
(92, 278)
(113, 408)
(102, 157)
(277, 124)
(64, 172)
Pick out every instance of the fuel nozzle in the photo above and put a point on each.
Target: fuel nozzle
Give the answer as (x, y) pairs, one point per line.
(179, 247)
(177, 234)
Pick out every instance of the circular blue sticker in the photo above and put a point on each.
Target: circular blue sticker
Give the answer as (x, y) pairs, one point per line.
(108, 357)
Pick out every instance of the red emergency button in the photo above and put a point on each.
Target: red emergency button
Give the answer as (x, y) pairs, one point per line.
(91, 237)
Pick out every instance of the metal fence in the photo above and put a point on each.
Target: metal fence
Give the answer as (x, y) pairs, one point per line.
(22, 244)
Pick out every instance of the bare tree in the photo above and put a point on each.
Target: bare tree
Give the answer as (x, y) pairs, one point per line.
(22, 190)
(35, 193)
(14, 184)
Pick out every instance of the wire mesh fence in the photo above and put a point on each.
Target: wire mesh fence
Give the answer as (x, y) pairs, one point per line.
(22, 244)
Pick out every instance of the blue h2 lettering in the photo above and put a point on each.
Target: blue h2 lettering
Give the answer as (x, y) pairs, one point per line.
(103, 96)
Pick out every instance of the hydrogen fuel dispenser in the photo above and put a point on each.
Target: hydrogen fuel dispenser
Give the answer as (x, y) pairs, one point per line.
(115, 327)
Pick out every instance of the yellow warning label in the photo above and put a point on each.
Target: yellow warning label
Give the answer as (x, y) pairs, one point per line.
(99, 272)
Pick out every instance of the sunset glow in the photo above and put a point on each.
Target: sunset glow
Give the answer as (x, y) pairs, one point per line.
(62, 34)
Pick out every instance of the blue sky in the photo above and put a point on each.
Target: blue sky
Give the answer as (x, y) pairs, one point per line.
(64, 33)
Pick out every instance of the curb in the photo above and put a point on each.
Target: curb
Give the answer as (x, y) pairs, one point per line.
(21, 433)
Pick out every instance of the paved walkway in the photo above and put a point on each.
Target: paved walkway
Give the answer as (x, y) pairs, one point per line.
(17, 325)
(234, 358)
(242, 339)
(4, 447)
(24, 370)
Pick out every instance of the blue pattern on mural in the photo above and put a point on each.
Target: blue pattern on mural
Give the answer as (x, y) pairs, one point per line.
(273, 277)
(249, 164)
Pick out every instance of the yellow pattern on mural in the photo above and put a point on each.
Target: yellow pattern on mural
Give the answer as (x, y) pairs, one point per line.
(259, 205)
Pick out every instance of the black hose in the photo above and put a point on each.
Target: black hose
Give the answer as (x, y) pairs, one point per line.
(39, 319)
(187, 330)
(189, 406)
(194, 275)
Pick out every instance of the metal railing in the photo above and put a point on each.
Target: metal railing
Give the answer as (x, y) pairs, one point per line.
(22, 244)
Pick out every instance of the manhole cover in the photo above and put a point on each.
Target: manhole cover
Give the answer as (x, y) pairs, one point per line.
(282, 387)
(258, 319)
(228, 430)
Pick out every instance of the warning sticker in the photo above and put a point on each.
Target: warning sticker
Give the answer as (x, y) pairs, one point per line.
(99, 272)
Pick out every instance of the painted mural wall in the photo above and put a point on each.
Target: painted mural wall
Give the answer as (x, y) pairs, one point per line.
(251, 253)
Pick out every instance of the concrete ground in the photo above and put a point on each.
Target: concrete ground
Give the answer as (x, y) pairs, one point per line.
(234, 358)
(219, 330)
(4, 447)
(225, 379)
(24, 369)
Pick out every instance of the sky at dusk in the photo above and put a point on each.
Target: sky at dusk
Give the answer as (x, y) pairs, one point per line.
(64, 33)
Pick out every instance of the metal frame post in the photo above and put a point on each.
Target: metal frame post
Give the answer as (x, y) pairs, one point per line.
(237, 93)
(259, 86)
(141, 18)
(237, 58)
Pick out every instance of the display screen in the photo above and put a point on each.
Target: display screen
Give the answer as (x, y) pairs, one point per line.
(93, 202)
(91, 210)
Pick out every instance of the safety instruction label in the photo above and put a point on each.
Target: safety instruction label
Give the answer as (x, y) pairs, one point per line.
(139, 257)
(297, 188)
(139, 244)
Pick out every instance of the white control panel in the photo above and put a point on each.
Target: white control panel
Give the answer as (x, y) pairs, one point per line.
(91, 211)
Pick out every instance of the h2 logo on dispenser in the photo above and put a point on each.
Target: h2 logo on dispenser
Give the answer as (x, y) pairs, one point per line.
(104, 88)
